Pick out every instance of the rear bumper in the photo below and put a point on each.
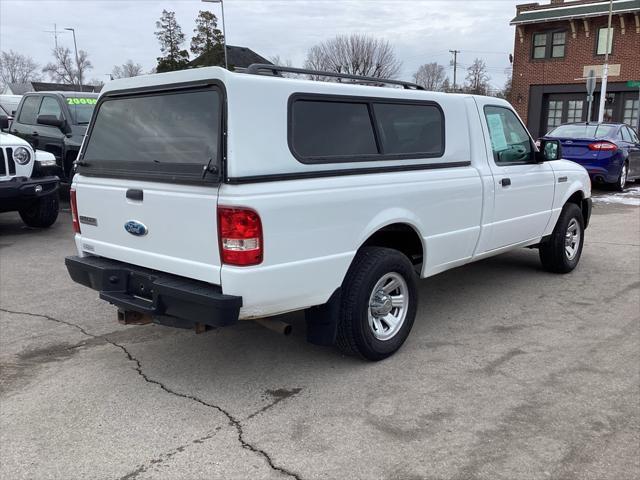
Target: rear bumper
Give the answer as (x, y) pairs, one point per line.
(603, 175)
(160, 295)
(18, 192)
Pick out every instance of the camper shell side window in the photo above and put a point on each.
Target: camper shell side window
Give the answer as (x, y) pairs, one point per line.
(342, 129)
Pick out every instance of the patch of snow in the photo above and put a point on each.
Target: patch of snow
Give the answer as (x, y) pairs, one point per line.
(631, 196)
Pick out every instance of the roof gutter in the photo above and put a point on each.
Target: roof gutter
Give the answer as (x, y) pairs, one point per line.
(568, 16)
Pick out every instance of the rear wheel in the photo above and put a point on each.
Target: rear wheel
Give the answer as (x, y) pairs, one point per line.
(622, 179)
(42, 213)
(379, 301)
(561, 252)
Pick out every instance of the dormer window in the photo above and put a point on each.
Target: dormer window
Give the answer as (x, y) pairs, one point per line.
(549, 45)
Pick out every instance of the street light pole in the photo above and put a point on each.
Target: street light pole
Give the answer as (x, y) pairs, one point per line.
(605, 68)
(75, 46)
(224, 30)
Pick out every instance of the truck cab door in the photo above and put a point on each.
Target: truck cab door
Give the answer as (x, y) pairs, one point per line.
(24, 125)
(524, 189)
(50, 138)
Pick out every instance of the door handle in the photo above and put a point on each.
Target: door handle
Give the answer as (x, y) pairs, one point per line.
(35, 134)
(505, 182)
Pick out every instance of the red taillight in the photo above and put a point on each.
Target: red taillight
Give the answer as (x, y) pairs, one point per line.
(74, 210)
(240, 234)
(603, 146)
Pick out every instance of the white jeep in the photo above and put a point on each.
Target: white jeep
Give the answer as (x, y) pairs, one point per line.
(28, 180)
(204, 197)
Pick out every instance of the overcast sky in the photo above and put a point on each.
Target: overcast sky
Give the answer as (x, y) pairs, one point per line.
(421, 31)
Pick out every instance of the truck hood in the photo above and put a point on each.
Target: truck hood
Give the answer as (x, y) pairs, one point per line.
(8, 140)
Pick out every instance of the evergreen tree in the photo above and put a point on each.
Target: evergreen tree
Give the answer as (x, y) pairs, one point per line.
(208, 38)
(171, 39)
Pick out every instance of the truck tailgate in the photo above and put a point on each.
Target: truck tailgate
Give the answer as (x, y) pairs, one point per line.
(162, 226)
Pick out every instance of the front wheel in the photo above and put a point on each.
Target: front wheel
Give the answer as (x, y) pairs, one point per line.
(379, 302)
(42, 213)
(561, 252)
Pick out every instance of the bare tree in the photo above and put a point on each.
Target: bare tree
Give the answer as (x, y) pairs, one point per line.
(126, 70)
(505, 92)
(277, 60)
(477, 81)
(96, 82)
(64, 68)
(356, 55)
(431, 76)
(17, 68)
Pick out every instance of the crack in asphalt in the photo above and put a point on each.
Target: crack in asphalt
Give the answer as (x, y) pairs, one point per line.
(163, 457)
(233, 421)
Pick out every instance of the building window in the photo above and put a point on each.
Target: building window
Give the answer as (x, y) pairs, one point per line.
(549, 45)
(557, 44)
(554, 114)
(539, 45)
(630, 112)
(602, 40)
(574, 111)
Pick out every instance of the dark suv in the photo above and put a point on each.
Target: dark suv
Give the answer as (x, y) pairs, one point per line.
(55, 122)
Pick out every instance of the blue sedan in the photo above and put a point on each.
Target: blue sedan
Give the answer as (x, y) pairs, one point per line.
(609, 151)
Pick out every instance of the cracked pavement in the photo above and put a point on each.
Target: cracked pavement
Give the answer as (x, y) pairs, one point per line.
(509, 372)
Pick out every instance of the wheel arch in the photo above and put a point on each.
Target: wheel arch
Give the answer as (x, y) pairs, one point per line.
(578, 198)
(401, 235)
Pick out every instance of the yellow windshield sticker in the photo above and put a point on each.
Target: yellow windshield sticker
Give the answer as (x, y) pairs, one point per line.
(81, 101)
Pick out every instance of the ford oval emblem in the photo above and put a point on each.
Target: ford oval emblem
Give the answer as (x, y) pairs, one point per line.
(136, 228)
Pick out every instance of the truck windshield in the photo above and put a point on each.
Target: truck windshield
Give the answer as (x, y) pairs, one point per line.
(81, 109)
(156, 133)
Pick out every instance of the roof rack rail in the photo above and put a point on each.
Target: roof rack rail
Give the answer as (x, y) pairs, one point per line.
(257, 68)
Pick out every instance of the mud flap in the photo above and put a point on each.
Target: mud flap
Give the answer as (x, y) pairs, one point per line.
(322, 321)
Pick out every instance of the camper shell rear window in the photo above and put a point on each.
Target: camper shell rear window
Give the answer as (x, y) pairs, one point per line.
(167, 135)
(337, 129)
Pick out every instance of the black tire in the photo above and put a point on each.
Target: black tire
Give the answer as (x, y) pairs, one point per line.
(42, 213)
(355, 336)
(553, 254)
(622, 178)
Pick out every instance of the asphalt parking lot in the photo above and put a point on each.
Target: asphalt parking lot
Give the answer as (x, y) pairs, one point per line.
(509, 373)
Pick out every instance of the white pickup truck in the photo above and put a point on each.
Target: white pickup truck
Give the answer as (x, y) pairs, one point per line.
(204, 197)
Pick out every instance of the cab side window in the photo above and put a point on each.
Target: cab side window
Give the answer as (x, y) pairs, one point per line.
(29, 111)
(50, 106)
(510, 141)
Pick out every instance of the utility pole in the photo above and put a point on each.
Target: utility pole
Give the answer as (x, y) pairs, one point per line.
(75, 46)
(605, 68)
(455, 66)
(55, 32)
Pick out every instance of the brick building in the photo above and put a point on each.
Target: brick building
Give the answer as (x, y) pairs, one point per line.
(556, 44)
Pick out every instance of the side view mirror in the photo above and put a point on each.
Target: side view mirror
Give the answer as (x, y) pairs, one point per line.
(548, 150)
(50, 120)
(4, 122)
